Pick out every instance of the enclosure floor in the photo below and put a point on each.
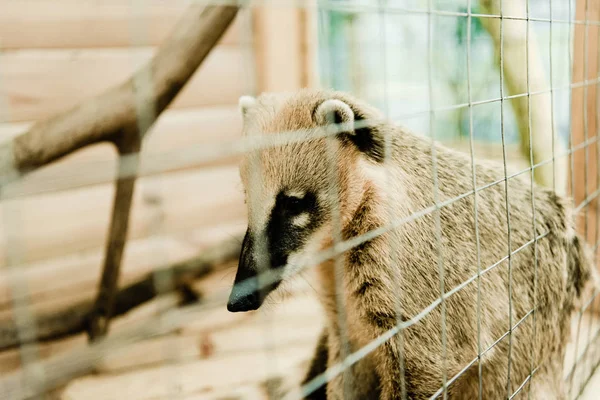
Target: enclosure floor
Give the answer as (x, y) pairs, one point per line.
(588, 356)
(592, 390)
(221, 355)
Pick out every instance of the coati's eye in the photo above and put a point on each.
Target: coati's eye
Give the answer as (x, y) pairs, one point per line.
(294, 204)
(291, 204)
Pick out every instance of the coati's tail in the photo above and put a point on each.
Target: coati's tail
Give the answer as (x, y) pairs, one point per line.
(582, 276)
(318, 365)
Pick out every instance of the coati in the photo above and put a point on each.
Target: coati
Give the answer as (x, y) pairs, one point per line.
(370, 174)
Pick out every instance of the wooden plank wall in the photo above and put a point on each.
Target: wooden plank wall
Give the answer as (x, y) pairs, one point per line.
(53, 224)
(55, 54)
(584, 115)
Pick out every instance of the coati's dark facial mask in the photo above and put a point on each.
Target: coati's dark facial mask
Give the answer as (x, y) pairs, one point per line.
(295, 215)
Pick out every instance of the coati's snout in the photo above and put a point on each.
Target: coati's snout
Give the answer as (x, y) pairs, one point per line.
(249, 291)
(292, 219)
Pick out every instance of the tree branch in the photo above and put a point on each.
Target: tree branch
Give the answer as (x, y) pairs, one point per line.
(121, 115)
(103, 307)
(114, 113)
(174, 63)
(75, 319)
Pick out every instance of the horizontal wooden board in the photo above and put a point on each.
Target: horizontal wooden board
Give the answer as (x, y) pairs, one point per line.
(226, 373)
(54, 284)
(298, 321)
(8, 130)
(174, 132)
(90, 24)
(39, 83)
(61, 223)
(10, 359)
(236, 355)
(295, 324)
(51, 280)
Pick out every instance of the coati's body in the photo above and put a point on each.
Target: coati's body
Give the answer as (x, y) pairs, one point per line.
(395, 276)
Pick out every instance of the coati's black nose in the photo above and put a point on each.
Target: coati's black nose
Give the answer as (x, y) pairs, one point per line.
(244, 294)
(243, 302)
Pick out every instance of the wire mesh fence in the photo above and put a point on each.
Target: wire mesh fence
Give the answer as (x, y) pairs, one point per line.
(556, 159)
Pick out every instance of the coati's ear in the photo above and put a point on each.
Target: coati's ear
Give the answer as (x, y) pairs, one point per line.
(246, 103)
(335, 112)
(368, 139)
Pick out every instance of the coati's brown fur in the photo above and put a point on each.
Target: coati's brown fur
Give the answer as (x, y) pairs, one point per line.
(396, 275)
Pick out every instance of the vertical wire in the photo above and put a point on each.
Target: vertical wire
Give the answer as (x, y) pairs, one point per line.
(507, 204)
(585, 134)
(261, 253)
(22, 314)
(436, 212)
(331, 142)
(323, 13)
(323, 32)
(510, 303)
(145, 115)
(571, 54)
(388, 149)
(338, 262)
(585, 116)
(24, 318)
(475, 211)
(553, 130)
(257, 196)
(533, 352)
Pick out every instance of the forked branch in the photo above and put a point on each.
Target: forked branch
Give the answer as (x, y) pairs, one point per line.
(121, 115)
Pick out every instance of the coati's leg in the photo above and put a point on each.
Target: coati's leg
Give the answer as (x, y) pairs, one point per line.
(388, 366)
(359, 381)
(364, 381)
(335, 387)
(318, 365)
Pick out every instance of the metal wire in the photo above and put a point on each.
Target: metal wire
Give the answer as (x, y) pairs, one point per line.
(476, 359)
(145, 115)
(254, 198)
(391, 215)
(533, 214)
(340, 301)
(436, 198)
(253, 145)
(475, 211)
(11, 224)
(199, 156)
(506, 194)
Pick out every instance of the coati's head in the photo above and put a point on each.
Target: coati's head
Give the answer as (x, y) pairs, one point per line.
(293, 189)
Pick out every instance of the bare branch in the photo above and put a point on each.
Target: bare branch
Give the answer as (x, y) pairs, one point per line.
(115, 113)
(75, 319)
(121, 115)
(107, 291)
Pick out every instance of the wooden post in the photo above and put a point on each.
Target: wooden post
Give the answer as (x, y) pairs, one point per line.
(523, 69)
(285, 47)
(584, 116)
